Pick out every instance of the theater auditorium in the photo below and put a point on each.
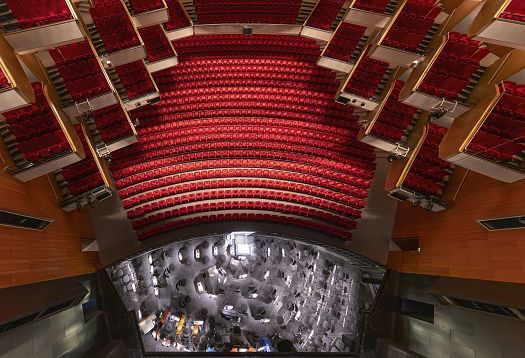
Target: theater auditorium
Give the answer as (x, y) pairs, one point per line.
(243, 178)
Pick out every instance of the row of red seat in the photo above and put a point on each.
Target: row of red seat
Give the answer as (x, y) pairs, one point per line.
(282, 208)
(199, 46)
(152, 134)
(84, 175)
(155, 151)
(394, 118)
(428, 174)
(225, 131)
(515, 11)
(177, 16)
(156, 201)
(344, 43)
(502, 135)
(156, 43)
(247, 11)
(244, 217)
(350, 194)
(226, 178)
(412, 25)
(302, 164)
(324, 14)
(141, 6)
(111, 123)
(454, 67)
(135, 78)
(377, 6)
(36, 129)
(80, 70)
(34, 13)
(292, 126)
(114, 25)
(367, 77)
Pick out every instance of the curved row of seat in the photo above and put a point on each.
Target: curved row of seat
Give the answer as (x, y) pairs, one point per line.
(263, 205)
(216, 145)
(150, 152)
(199, 46)
(336, 134)
(160, 202)
(258, 217)
(329, 170)
(205, 170)
(208, 179)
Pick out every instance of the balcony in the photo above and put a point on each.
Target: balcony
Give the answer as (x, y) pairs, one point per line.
(366, 84)
(346, 46)
(415, 31)
(488, 139)
(501, 22)
(375, 14)
(420, 177)
(447, 82)
(15, 88)
(30, 28)
(38, 148)
(147, 13)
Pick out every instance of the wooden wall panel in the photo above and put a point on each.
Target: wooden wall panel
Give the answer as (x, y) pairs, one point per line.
(454, 244)
(28, 256)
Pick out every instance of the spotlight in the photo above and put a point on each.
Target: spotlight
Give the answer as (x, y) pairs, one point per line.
(215, 251)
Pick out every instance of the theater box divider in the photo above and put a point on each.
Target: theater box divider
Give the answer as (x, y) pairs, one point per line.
(488, 26)
(20, 93)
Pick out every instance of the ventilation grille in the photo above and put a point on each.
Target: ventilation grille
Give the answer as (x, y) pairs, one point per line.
(23, 221)
(507, 223)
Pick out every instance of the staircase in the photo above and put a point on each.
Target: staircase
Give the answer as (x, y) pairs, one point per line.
(12, 146)
(7, 20)
(96, 40)
(307, 6)
(189, 6)
(382, 84)
(340, 16)
(113, 75)
(58, 83)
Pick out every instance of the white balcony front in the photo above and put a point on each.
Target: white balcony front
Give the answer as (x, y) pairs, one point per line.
(45, 37)
(153, 17)
(366, 18)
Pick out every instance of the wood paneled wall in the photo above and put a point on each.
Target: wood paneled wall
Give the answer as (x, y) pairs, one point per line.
(454, 244)
(28, 256)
